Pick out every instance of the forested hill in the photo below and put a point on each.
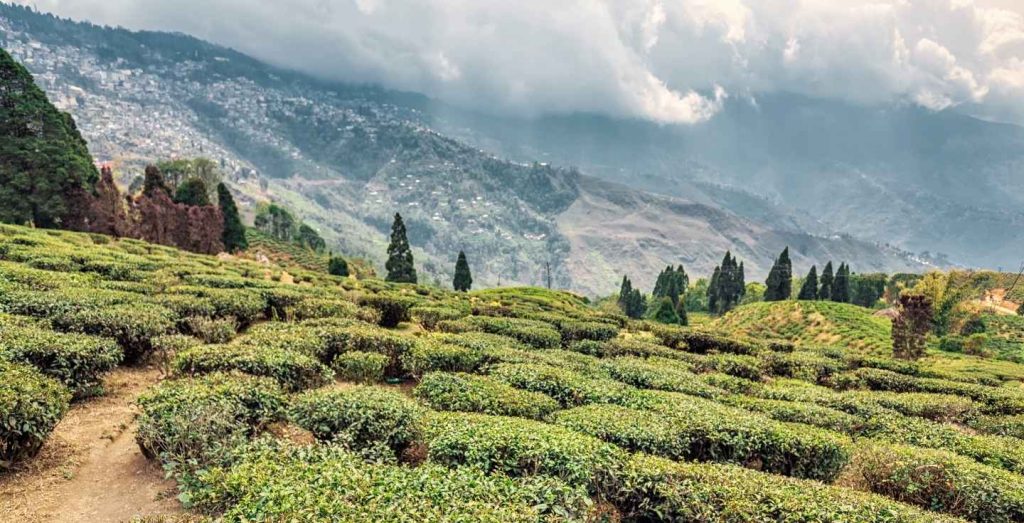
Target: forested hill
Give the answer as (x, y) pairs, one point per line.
(345, 158)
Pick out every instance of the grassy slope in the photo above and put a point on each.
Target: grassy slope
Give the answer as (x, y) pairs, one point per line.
(811, 323)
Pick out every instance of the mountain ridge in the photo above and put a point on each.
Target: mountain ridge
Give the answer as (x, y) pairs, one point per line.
(345, 161)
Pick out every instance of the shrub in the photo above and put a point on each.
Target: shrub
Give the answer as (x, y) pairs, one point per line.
(133, 326)
(656, 489)
(360, 417)
(685, 427)
(567, 387)
(165, 347)
(470, 393)
(995, 400)
(198, 422)
(586, 330)
(519, 447)
(660, 374)
(76, 360)
(432, 355)
(211, 330)
(941, 481)
(702, 342)
(1001, 425)
(311, 308)
(292, 370)
(331, 484)
(30, 406)
(393, 309)
(360, 337)
(806, 366)
(246, 306)
(795, 412)
(361, 367)
(537, 334)
(430, 317)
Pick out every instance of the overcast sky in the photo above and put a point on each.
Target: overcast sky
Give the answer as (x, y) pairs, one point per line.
(672, 61)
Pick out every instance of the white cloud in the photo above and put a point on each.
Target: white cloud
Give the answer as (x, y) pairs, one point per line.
(671, 61)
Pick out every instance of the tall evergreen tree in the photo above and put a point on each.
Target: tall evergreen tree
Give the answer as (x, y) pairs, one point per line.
(234, 232)
(841, 284)
(713, 290)
(665, 312)
(625, 290)
(337, 266)
(827, 278)
(809, 290)
(631, 301)
(742, 283)
(45, 165)
(779, 285)
(192, 192)
(463, 280)
(400, 264)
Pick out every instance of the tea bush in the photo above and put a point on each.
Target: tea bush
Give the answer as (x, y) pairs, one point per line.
(690, 428)
(519, 447)
(331, 484)
(433, 355)
(660, 374)
(211, 330)
(31, 404)
(361, 367)
(76, 360)
(198, 422)
(586, 330)
(656, 489)
(481, 394)
(941, 481)
(294, 371)
(567, 387)
(536, 334)
(133, 326)
(393, 309)
(1000, 425)
(430, 317)
(360, 417)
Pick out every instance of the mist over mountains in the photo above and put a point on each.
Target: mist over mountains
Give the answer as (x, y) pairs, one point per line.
(790, 170)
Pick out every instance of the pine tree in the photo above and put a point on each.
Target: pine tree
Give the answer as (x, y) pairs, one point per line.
(809, 290)
(400, 263)
(713, 290)
(827, 278)
(841, 285)
(779, 285)
(637, 305)
(665, 312)
(234, 232)
(625, 294)
(192, 192)
(742, 283)
(910, 328)
(463, 280)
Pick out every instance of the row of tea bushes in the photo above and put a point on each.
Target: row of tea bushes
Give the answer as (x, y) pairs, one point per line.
(31, 404)
(481, 394)
(76, 360)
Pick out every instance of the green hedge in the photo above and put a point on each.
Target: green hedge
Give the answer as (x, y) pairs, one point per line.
(294, 371)
(796, 412)
(393, 309)
(430, 317)
(567, 387)
(361, 367)
(536, 334)
(313, 308)
(702, 342)
(941, 481)
(76, 360)
(660, 374)
(329, 483)
(31, 404)
(520, 447)
(431, 355)
(1001, 425)
(481, 394)
(133, 326)
(807, 366)
(684, 427)
(995, 400)
(657, 489)
(197, 422)
(586, 330)
(361, 417)
(246, 306)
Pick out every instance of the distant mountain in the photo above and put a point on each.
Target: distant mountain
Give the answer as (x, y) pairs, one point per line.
(346, 157)
(923, 180)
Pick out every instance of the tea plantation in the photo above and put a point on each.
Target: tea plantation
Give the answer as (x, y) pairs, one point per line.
(344, 399)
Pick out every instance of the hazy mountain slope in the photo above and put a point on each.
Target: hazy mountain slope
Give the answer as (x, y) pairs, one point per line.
(941, 182)
(347, 157)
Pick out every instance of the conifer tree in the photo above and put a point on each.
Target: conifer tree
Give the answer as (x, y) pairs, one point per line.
(192, 192)
(637, 305)
(400, 263)
(713, 289)
(779, 285)
(234, 232)
(153, 181)
(742, 283)
(625, 292)
(665, 312)
(841, 284)
(827, 278)
(809, 290)
(463, 280)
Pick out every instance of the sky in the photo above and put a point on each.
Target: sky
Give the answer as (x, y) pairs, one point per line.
(668, 61)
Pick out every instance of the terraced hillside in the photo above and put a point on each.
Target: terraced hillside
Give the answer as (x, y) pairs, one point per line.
(343, 399)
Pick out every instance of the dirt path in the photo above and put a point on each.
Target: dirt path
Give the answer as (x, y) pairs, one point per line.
(90, 469)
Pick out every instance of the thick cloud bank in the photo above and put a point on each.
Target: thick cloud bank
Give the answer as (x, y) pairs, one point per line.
(672, 61)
